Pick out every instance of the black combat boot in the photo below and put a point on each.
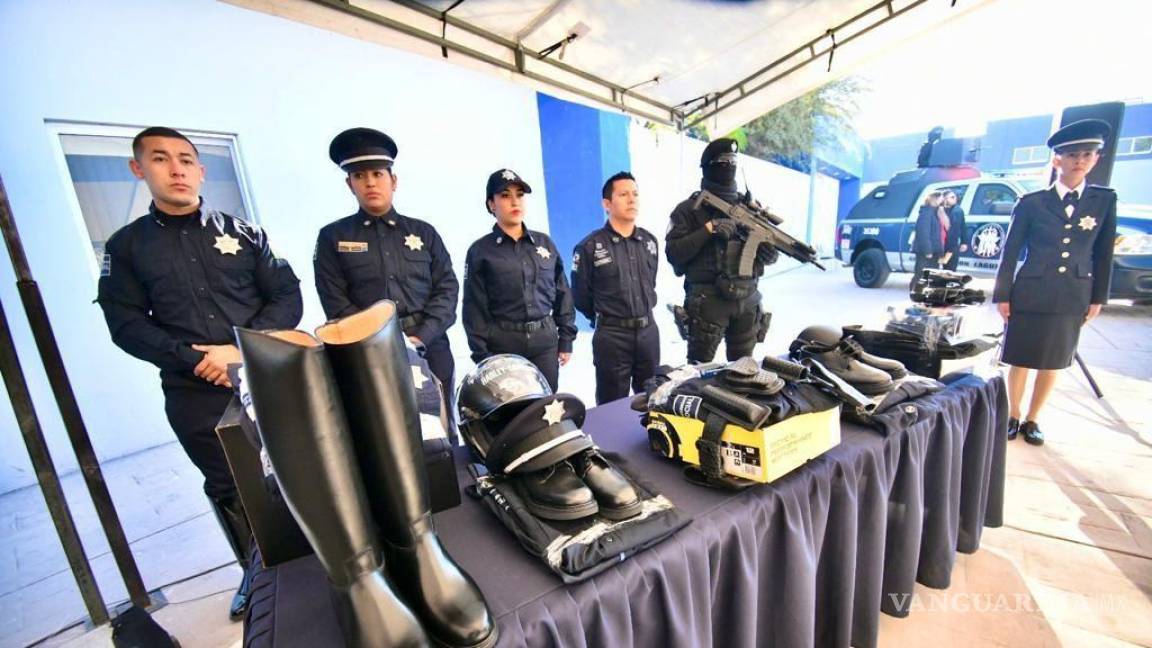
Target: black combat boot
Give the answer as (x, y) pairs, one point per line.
(375, 381)
(302, 425)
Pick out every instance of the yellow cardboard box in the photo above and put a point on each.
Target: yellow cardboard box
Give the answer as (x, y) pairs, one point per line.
(762, 455)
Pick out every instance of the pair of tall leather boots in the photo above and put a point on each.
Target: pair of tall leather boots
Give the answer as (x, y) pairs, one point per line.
(339, 421)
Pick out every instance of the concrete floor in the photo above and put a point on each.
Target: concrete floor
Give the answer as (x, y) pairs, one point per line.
(1072, 566)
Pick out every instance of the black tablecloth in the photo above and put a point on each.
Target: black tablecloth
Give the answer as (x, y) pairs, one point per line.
(810, 560)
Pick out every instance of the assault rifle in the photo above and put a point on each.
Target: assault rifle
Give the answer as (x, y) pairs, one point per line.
(760, 226)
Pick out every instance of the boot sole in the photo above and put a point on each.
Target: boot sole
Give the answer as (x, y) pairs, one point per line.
(546, 512)
(622, 512)
(487, 642)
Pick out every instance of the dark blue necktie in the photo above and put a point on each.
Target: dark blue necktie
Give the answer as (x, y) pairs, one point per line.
(1071, 198)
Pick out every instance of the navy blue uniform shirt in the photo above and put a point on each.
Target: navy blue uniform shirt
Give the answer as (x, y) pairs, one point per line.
(362, 259)
(614, 275)
(169, 282)
(1069, 261)
(515, 281)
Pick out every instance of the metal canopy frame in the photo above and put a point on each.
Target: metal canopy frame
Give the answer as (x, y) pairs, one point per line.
(531, 64)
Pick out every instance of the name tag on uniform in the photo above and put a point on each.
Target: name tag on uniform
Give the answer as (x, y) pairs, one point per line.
(351, 246)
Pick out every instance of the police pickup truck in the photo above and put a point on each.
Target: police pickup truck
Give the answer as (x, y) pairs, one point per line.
(875, 238)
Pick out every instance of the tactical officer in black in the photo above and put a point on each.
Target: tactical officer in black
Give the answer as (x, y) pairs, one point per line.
(174, 283)
(378, 253)
(516, 297)
(614, 286)
(704, 245)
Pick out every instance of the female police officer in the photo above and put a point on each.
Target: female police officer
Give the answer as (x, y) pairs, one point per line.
(1068, 230)
(516, 298)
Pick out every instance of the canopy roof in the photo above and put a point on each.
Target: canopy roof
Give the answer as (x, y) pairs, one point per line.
(677, 62)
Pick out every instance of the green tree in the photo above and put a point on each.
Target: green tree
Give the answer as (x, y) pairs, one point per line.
(821, 118)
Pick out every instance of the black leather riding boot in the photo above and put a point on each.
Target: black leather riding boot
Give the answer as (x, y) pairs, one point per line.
(304, 430)
(375, 380)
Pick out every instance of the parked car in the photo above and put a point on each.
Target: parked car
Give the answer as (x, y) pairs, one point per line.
(875, 238)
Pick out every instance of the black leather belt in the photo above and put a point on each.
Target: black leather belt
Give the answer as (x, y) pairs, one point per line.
(523, 327)
(412, 321)
(634, 323)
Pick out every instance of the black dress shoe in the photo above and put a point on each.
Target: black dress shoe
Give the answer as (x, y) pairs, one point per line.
(557, 493)
(612, 490)
(1013, 428)
(1032, 433)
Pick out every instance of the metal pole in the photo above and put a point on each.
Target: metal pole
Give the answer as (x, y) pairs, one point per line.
(37, 315)
(46, 474)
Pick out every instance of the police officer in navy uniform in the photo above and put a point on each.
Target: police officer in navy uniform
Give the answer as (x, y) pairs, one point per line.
(614, 286)
(1068, 231)
(703, 245)
(516, 297)
(174, 283)
(378, 253)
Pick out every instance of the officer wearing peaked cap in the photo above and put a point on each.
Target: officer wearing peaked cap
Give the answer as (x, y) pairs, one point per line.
(1068, 231)
(378, 253)
(516, 297)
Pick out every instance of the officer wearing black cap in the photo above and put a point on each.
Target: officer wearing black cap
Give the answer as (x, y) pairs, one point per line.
(173, 285)
(378, 253)
(1068, 231)
(516, 297)
(614, 286)
(703, 246)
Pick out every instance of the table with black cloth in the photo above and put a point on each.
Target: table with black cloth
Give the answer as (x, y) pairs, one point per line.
(810, 560)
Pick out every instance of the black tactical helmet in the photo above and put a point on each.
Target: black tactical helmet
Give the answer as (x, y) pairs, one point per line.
(496, 382)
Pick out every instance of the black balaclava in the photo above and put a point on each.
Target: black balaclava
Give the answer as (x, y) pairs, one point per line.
(718, 165)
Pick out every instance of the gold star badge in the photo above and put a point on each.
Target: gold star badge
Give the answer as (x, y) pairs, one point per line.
(1087, 223)
(227, 244)
(543, 252)
(418, 377)
(553, 412)
(413, 242)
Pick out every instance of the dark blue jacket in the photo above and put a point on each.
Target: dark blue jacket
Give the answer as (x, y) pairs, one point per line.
(1069, 258)
(169, 282)
(615, 276)
(928, 233)
(515, 281)
(361, 259)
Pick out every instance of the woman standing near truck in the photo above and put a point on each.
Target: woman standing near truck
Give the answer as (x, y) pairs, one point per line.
(1069, 231)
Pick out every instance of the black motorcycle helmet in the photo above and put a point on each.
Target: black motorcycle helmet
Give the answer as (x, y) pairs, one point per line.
(494, 392)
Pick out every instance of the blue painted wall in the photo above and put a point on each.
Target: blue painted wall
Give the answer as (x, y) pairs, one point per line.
(1005, 136)
(581, 148)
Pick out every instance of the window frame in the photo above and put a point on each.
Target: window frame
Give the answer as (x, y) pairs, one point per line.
(58, 128)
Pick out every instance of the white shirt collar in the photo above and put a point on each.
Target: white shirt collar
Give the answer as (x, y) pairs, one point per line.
(1061, 190)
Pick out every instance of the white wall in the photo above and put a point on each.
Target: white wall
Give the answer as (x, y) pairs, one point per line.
(284, 89)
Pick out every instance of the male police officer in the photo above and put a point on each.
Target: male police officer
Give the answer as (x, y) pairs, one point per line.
(174, 283)
(703, 245)
(614, 286)
(378, 253)
(1069, 231)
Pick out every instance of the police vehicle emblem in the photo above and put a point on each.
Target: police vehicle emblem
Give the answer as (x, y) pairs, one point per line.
(227, 244)
(413, 242)
(553, 412)
(1087, 223)
(987, 241)
(543, 252)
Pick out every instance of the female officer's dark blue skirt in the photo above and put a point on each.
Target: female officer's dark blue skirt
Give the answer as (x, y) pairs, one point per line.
(1041, 340)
